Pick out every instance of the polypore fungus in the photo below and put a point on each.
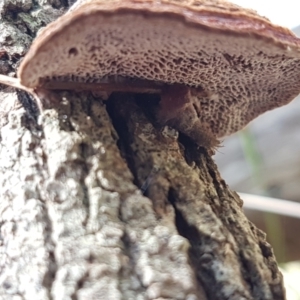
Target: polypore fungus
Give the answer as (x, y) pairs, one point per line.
(217, 66)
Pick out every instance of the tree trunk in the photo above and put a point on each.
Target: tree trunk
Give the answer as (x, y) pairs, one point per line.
(98, 202)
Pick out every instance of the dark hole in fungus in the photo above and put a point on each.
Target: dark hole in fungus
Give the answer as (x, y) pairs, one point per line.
(73, 51)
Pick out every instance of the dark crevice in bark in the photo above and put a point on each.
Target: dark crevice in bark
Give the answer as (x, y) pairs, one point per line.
(124, 146)
(197, 259)
(192, 152)
(124, 142)
(29, 104)
(120, 125)
(149, 103)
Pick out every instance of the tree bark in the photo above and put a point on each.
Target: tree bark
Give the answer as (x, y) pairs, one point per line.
(99, 202)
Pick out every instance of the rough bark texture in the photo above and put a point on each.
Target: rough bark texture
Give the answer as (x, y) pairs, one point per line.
(97, 202)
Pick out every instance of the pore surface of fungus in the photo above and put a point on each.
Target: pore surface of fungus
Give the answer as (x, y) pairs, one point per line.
(235, 63)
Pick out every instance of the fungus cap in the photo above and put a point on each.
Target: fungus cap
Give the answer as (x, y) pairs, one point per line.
(243, 64)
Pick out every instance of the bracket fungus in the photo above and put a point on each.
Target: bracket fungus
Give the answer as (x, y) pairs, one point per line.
(216, 65)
